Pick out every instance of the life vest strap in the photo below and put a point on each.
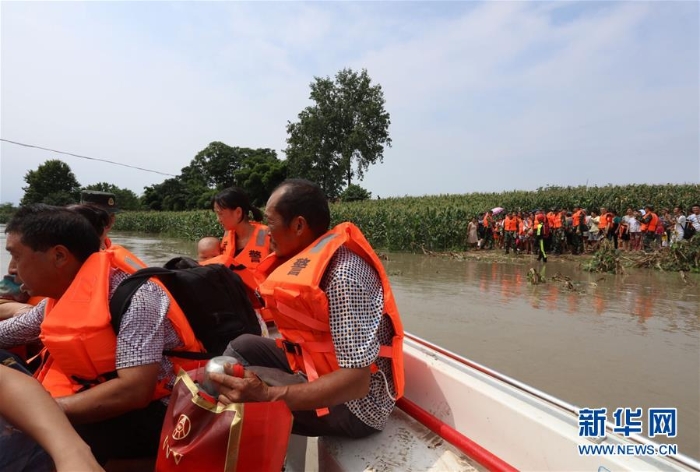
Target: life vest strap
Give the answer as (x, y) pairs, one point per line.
(304, 350)
(86, 384)
(386, 351)
(288, 346)
(301, 317)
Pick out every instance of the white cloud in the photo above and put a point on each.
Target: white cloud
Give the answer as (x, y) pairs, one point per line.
(485, 97)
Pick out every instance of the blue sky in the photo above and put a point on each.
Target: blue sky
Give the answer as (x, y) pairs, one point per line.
(483, 96)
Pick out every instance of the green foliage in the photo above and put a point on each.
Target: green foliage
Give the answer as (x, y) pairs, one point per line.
(6, 212)
(190, 225)
(435, 223)
(218, 163)
(259, 176)
(126, 199)
(605, 259)
(681, 256)
(355, 193)
(439, 223)
(346, 127)
(52, 183)
(171, 195)
(216, 167)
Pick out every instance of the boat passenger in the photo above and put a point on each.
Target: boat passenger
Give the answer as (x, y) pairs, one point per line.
(339, 363)
(106, 201)
(100, 219)
(207, 248)
(13, 301)
(113, 388)
(59, 446)
(246, 241)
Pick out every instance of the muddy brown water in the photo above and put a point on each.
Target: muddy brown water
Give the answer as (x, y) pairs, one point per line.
(612, 341)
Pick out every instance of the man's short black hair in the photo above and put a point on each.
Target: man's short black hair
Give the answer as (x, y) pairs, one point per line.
(41, 227)
(301, 197)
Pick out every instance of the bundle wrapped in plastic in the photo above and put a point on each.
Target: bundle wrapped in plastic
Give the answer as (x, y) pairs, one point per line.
(10, 290)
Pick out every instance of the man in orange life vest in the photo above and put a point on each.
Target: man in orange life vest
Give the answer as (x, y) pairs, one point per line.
(650, 220)
(339, 364)
(113, 387)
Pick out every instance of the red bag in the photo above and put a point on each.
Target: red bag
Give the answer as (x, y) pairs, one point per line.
(198, 434)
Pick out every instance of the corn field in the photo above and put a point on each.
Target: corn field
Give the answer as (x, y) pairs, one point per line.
(435, 223)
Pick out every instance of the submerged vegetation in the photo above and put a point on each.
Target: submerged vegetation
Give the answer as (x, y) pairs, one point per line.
(680, 257)
(605, 259)
(684, 257)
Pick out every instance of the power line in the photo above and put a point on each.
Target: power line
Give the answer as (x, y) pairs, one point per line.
(86, 157)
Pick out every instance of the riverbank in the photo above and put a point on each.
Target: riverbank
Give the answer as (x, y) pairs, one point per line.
(683, 258)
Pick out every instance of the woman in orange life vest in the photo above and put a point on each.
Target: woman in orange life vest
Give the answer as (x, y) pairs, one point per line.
(245, 242)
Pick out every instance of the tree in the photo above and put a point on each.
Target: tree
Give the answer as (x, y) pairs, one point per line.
(340, 136)
(355, 193)
(126, 199)
(53, 183)
(260, 174)
(6, 212)
(171, 195)
(218, 166)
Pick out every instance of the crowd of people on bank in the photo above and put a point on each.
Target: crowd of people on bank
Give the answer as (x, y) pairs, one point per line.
(337, 364)
(579, 230)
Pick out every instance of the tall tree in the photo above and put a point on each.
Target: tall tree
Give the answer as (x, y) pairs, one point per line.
(260, 174)
(53, 183)
(126, 199)
(218, 163)
(170, 195)
(257, 171)
(342, 134)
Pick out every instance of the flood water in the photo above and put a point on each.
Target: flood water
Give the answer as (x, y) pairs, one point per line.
(613, 341)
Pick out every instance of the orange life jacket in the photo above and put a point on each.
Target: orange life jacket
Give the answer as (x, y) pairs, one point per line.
(487, 221)
(558, 220)
(576, 219)
(510, 224)
(605, 218)
(300, 308)
(78, 335)
(653, 223)
(34, 301)
(256, 249)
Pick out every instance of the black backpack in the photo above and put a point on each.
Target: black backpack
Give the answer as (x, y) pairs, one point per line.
(212, 297)
(689, 230)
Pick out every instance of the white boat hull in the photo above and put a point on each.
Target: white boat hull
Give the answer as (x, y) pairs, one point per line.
(517, 427)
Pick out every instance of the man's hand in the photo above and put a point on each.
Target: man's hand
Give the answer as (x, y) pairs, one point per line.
(338, 387)
(233, 389)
